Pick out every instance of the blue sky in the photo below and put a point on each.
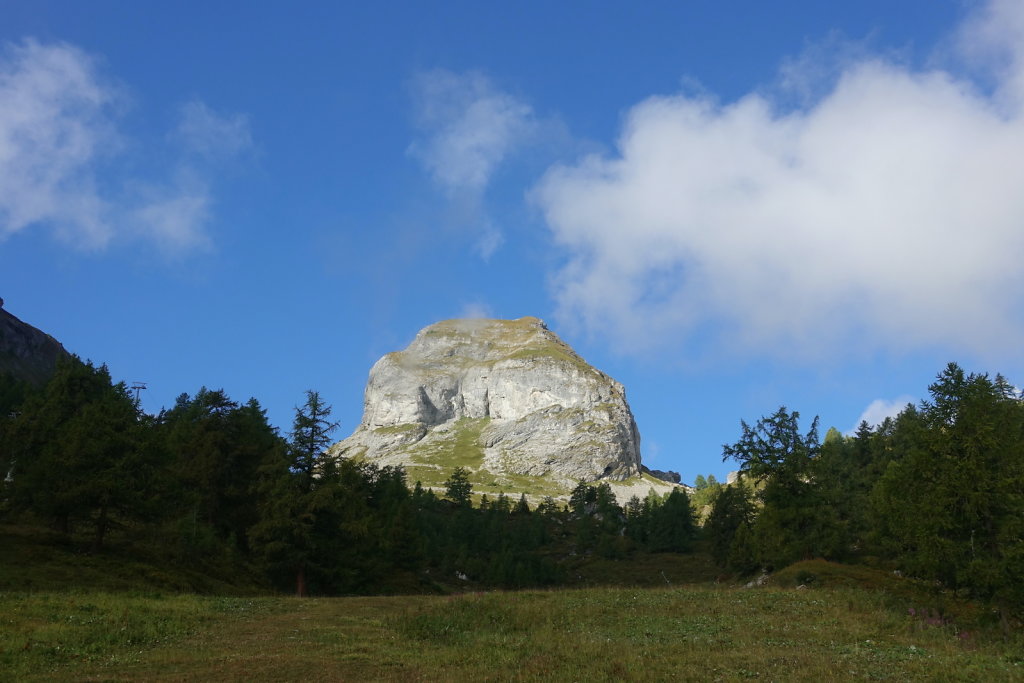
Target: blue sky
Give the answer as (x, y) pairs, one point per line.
(726, 206)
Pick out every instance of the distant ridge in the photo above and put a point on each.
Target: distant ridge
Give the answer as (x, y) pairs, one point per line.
(27, 353)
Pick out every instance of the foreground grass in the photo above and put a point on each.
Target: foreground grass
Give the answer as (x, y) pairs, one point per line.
(50, 634)
(692, 633)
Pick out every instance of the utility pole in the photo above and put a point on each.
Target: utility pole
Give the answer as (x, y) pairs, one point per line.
(138, 387)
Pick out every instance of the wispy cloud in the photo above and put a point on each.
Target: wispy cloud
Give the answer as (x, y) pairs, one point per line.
(60, 161)
(476, 310)
(467, 128)
(207, 134)
(885, 212)
(174, 216)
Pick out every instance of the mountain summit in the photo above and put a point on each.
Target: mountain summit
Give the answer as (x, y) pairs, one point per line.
(506, 399)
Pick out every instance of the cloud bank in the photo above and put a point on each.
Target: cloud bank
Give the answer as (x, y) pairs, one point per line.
(61, 156)
(887, 213)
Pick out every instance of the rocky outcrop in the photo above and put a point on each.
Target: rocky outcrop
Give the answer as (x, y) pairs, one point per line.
(26, 353)
(504, 397)
(669, 476)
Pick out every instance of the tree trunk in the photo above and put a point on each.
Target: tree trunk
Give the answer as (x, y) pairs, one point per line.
(300, 581)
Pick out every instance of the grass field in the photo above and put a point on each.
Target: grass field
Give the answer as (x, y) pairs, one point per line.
(703, 633)
(69, 615)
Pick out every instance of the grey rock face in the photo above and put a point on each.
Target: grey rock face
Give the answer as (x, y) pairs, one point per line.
(669, 476)
(505, 396)
(25, 352)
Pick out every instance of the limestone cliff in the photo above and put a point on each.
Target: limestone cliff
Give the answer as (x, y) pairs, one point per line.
(506, 398)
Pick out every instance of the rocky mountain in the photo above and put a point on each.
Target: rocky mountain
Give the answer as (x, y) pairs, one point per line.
(25, 352)
(508, 400)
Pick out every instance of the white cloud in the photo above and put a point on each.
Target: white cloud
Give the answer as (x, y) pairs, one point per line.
(468, 128)
(59, 154)
(994, 38)
(54, 124)
(887, 213)
(174, 217)
(879, 409)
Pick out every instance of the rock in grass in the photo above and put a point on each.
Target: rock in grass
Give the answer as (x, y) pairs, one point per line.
(500, 397)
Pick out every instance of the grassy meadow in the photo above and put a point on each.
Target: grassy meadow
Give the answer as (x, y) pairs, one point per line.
(703, 633)
(69, 615)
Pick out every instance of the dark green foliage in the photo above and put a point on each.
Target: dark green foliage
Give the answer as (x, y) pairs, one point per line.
(73, 453)
(795, 521)
(774, 449)
(597, 520)
(458, 489)
(13, 392)
(310, 438)
(214, 449)
(299, 530)
(937, 491)
(728, 529)
(706, 489)
(950, 505)
(497, 543)
(672, 527)
(661, 524)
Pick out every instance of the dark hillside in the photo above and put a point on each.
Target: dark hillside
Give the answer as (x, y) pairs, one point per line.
(33, 558)
(26, 353)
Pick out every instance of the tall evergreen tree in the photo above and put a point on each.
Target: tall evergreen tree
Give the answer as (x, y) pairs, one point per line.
(794, 522)
(728, 529)
(672, 527)
(458, 488)
(951, 506)
(310, 438)
(215, 448)
(302, 509)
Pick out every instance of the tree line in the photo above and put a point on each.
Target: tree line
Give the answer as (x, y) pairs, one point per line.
(936, 492)
(210, 480)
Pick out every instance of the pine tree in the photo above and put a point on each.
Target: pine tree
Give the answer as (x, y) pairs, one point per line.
(950, 506)
(728, 529)
(310, 438)
(216, 447)
(672, 527)
(458, 488)
(302, 507)
(795, 521)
